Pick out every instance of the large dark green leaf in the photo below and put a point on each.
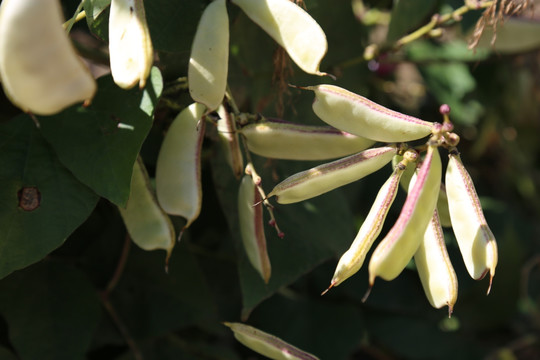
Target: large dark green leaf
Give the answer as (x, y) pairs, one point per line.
(57, 203)
(89, 142)
(51, 310)
(152, 302)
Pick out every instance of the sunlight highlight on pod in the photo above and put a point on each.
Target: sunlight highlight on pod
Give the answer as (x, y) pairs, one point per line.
(41, 72)
(130, 46)
(329, 176)
(435, 269)
(400, 244)
(292, 28)
(178, 168)
(266, 344)
(357, 115)
(250, 213)
(353, 259)
(281, 139)
(475, 239)
(147, 224)
(209, 61)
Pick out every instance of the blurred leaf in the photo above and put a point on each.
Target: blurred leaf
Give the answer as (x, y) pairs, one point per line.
(90, 144)
(57, 319)
(63, 203)
(450, 83)
(408, 15)
(456, 50)
(417, 338)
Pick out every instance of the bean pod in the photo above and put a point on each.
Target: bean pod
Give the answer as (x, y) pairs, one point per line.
(178, 168)
(357, 115)
(281, 139)
(40, 70)
(329, 176)
(130, 46)
(475, 239)
(209, 61)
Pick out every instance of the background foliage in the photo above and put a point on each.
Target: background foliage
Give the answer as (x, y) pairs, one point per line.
(74, 287)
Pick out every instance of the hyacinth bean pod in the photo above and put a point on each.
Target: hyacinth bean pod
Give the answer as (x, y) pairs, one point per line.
(147, 224)
(400, 244)
(292, 28)
(358, 115)
(40, 70)
(266, 344)
(280, 139)
(351, 261)
(329, 176)
(178, 168)
(435, 269)
(250, 213)
(209, 61)
(130, 46)
(475, 239)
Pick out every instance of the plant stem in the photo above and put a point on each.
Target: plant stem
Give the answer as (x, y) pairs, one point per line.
(78, 16)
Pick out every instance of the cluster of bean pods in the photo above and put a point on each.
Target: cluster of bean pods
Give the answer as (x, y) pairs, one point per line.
(44, 82)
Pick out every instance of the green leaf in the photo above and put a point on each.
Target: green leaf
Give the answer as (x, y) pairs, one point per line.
(408, 15)
(327, 329)
(152, 302)
(64, 203)
(89, 142)
(51, 311)
(173, 23)
(450, 83)
(94, 8)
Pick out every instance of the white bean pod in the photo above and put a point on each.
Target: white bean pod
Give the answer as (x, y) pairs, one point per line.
(41, 72)
(209, 61)
(435, 269)
(178, 167)
(357, 115)
(400, 244)
(474, 237)
(250, 213)
(351, 261)
(147, 224)
(266, 344)
(281, 139)
(329, 176)
(292, 28)
(130, 46)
